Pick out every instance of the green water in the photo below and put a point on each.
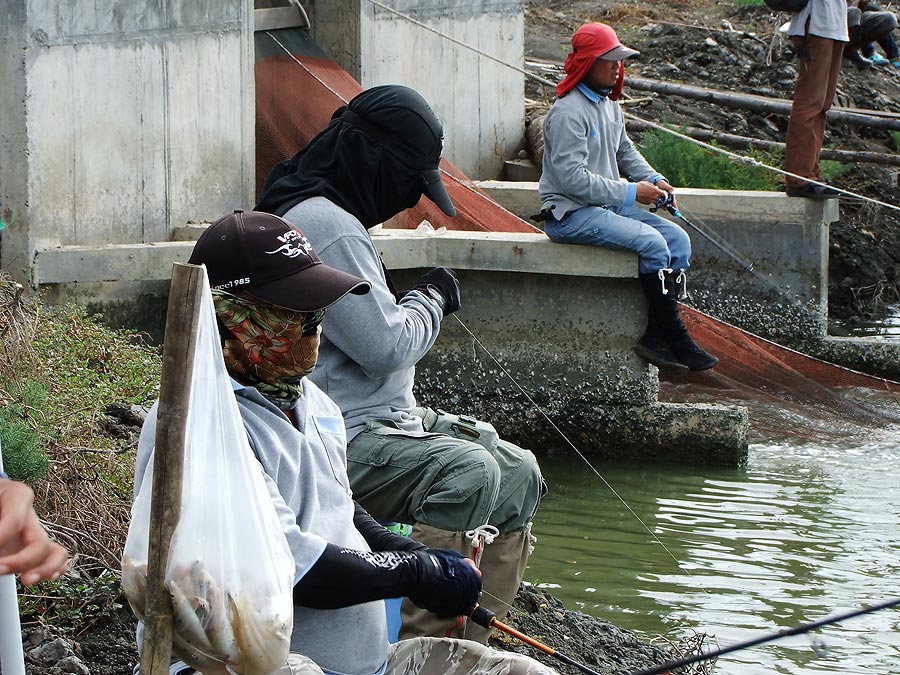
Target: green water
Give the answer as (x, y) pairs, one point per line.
(803, 532)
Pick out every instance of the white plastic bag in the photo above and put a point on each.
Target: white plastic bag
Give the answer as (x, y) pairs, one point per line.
(230, 570)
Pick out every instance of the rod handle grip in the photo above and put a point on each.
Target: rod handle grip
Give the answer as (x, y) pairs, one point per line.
(482, 616)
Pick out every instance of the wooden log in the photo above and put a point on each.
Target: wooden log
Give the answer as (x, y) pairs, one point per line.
(182, 319)
(760, 104)
(745, 141)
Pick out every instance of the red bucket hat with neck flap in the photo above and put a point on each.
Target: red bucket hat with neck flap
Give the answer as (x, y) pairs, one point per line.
(590, 42)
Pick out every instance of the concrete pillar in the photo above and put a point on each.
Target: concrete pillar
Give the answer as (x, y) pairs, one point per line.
(121, 120)
(479, 101)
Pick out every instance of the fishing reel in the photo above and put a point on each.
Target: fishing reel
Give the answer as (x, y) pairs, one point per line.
(664, 202)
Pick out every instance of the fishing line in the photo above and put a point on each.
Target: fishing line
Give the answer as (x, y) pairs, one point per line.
(578, 452)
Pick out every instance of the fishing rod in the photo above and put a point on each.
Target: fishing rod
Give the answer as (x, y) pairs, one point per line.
(668, 202)
(487, 619)
(796, 630)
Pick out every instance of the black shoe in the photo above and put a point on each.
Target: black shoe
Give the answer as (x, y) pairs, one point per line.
(664, 319)
(655, 350)
(812, 191)
(691, 355)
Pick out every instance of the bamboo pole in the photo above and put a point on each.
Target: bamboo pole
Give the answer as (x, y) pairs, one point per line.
(744, 141)
(182, 318)
(760, 104)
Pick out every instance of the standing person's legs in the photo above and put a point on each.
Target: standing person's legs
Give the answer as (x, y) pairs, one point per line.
(433, 656)
(817, 72)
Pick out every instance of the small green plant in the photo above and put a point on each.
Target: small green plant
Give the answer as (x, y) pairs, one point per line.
(895, 138)
(23, 457)
(687, 164)
(831, 168)
(72, 605)
(748, 3)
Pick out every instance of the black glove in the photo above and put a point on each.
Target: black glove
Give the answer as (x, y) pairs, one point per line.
(447, 584)
(445, 281)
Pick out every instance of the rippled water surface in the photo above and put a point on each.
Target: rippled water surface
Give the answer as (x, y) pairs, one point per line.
(804, 531)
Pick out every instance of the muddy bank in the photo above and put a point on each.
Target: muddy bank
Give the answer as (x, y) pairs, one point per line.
(108, 647)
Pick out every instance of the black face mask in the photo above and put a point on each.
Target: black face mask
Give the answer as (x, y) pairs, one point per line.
(369, 160)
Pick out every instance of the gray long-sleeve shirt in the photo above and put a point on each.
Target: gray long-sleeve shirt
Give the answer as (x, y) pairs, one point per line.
(586, 154)
(370, 343)
(306, 474)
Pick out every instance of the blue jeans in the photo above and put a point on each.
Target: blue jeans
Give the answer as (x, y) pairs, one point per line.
(659, 243)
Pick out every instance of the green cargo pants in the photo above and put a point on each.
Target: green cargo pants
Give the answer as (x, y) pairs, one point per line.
(455, 475)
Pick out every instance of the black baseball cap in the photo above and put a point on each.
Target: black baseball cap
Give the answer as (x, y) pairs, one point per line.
(272, 260)
(402, 117)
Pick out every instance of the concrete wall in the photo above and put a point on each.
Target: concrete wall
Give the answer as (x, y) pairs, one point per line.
(785, 241)
(126, 119)
(760, 259)
(564, 332)
(479, 101)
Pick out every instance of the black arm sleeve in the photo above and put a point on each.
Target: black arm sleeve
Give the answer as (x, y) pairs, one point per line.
(439, 580)
(342, 577)
(377, 537)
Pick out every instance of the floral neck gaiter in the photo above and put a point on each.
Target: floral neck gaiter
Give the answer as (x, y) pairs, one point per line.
(270, 348)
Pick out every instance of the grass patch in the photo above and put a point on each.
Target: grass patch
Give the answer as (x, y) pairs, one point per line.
(23, 456)
(72, 605)
(60, 370)
(687, 164)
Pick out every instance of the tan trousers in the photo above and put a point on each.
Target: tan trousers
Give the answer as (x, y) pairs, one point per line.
(437, 656)
(817, 75)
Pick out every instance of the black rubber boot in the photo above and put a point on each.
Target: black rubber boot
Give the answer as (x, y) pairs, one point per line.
(652, 347)
(665, 307)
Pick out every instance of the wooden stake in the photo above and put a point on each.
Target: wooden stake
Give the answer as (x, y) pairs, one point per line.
(182, 319)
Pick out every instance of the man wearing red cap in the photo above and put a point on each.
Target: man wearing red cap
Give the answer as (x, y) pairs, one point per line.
(586, 200)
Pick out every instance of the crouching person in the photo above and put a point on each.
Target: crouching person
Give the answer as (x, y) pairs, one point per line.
(270, 337)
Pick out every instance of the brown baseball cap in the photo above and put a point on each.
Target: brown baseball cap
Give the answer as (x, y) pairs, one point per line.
(272, 260)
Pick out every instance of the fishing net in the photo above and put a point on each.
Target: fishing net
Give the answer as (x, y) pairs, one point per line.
(298, 88)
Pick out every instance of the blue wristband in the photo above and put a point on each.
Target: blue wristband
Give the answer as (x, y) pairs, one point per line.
(3, 475)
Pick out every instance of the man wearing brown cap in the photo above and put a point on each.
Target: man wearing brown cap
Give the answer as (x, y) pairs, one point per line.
(586, 200)
(452, 478)
(271, 292)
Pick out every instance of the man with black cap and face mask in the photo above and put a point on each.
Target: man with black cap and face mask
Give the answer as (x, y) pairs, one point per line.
(270, 292)
(452, 478)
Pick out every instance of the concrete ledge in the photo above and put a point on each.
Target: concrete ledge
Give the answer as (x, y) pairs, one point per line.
(561, 320)
(501, 252)
(124, 262)
(762, 264)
